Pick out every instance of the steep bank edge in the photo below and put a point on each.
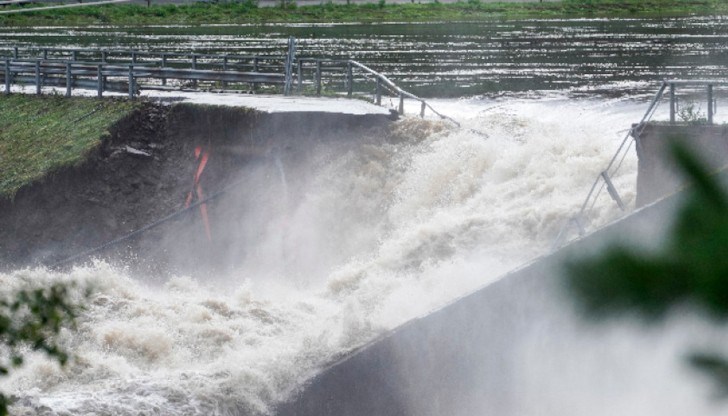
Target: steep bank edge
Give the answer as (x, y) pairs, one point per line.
(143, 172)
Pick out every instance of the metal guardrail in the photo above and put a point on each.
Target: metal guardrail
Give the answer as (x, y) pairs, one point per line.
(122, 70)
(604, 179)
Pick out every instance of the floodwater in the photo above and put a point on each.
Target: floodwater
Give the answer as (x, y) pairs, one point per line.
(403, 226)
(453, 60)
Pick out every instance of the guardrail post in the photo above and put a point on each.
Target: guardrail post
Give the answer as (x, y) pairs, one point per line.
(422, 109)
(299, 71)
(131, 82)
(612, 190)
(69, 80)
(349, 79)
(37, 77)
(378, 92)
(224, 68)
(401, 104)
(318, 77)
(100, 85)
(7, 76)
(290, 57)
(710, 103)
(194, 66)
(164, 65)
(672, 103)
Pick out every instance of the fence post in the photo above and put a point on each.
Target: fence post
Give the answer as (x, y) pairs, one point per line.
(69, 81)
(378, 92)
(194, 66)
(164, 65)
(133, 57)
(131, 82)
(37, 77)
(672, 103)
(7, 76)
(422, 109)
(45, 54)
(318, 77)
(100, 85)
(300, 76)
(224, 68)
(15, 52)
(349, 79)
(74, 55)
(710, 103)
(401, 104)
(289, 65)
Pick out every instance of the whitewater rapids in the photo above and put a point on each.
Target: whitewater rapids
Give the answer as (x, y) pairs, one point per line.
(377, 233)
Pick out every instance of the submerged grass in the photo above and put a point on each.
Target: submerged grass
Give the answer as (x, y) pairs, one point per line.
(39, 134)
(246, 11)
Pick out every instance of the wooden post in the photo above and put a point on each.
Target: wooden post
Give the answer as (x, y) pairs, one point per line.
(69, 81)
(7, 76)
(349, 80)
(100, 85)
(131, 82)
(378, 92)
(672, 104)
(401, 104)
(318, 77)
(710, 104)
(37, 77)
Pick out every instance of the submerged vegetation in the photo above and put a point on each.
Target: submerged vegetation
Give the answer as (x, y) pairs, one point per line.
(247, 11)
(39, 134)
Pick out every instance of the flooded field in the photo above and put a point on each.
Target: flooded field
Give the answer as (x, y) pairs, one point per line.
(453, 60)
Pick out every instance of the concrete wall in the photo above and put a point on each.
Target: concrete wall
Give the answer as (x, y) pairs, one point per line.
(657, 176)
(514, 348)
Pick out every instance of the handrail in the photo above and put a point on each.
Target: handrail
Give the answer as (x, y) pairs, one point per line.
(399, 90)
(634, 132)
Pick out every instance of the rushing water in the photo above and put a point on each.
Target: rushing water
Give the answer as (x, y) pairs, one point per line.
(446, 59)
(404, 226)
(382, 230)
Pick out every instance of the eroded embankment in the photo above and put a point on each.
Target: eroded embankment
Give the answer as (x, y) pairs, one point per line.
(142, 171)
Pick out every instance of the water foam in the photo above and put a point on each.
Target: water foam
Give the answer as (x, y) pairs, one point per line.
(379, 231)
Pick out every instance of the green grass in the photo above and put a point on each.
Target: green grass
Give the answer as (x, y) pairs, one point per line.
(39, 134)
(248, 12)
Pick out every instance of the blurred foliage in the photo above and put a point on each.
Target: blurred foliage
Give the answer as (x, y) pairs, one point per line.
(691, 267)
(30, 319)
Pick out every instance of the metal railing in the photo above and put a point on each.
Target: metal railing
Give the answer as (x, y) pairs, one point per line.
(129, 71)
(603, 180)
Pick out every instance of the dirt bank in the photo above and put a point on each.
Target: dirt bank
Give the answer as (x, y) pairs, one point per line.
(144, 172)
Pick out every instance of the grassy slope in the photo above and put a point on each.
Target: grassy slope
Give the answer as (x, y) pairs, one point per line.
(247, 12)
(41, 134)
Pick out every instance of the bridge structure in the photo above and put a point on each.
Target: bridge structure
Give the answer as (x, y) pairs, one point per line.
(131, 71)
